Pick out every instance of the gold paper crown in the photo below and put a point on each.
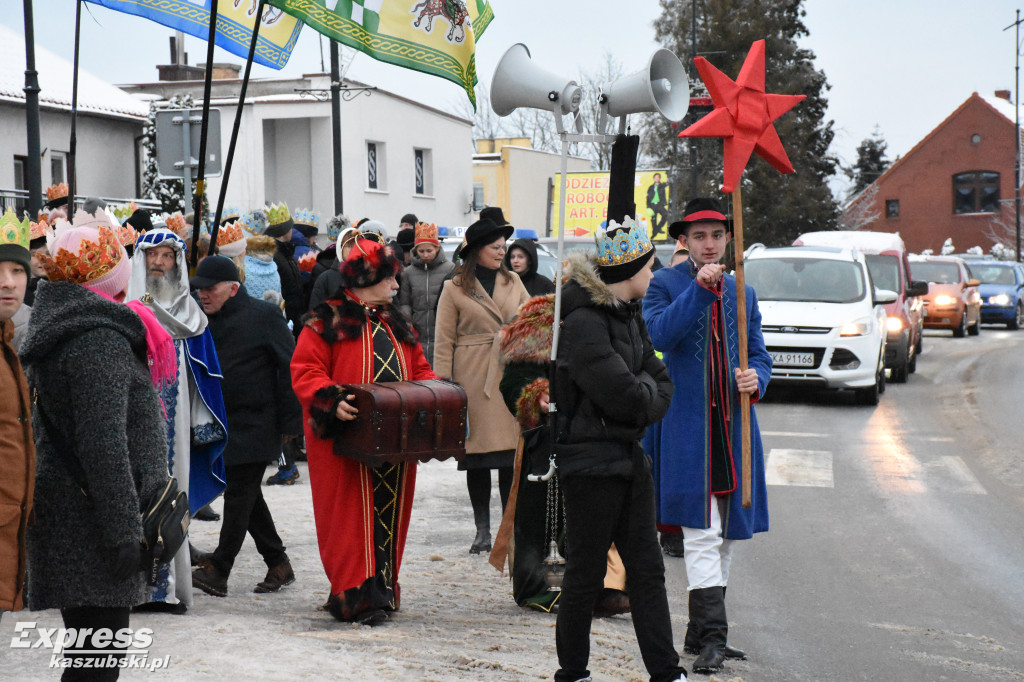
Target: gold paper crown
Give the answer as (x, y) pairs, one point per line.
(176, 223)
(56, 191)
(278, 213)
(426, 231)
(92, 261)
(124, 211)
(14, 231)
(229, 234)
(629, 242)
(126, 234)
(40, 229)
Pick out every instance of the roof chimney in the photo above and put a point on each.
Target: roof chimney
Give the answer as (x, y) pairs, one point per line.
(1003, 94)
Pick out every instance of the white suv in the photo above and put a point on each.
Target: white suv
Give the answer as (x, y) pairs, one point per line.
(823, 321)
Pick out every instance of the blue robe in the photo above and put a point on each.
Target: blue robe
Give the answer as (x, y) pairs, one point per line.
(677, 311)
(206, 474)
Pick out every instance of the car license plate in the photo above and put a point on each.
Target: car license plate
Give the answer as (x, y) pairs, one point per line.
(793, 359)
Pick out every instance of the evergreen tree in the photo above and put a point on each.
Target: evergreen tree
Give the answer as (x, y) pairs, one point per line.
(777, 208)
(871, 163)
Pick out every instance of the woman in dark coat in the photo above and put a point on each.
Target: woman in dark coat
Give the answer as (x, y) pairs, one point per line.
(92, 363)
(522, 259)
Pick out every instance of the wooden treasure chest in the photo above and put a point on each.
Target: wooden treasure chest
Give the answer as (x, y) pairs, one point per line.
(405, 421)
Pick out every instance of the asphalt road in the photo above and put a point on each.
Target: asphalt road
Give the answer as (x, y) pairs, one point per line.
(895, 549)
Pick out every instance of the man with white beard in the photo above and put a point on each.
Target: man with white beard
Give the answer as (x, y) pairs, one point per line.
(194, 404)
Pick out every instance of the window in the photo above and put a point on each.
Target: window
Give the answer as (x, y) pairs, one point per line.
(976, 192)
(20, 183)
(892, 208)
(58, 168)
(478, 197)
(376, 166)
(371, 165)
(423, 172)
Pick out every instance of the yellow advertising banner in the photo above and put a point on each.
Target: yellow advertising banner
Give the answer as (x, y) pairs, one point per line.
(586, 202)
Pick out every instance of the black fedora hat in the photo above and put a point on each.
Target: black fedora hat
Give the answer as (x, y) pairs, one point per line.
(700, 210)
(483, 232)
(494, 214)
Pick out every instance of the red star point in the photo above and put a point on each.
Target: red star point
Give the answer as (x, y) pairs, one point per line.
(743, 116)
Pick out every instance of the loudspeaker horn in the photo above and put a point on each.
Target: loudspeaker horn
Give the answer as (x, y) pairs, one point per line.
(518, 82)
(661, 86)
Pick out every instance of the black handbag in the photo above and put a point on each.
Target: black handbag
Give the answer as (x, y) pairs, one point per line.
(165, 516)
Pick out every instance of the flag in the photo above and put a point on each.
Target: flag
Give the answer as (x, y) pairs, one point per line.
(437, 37)
(235, 19)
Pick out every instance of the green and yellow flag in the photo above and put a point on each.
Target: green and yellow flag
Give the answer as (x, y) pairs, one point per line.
(432, 36)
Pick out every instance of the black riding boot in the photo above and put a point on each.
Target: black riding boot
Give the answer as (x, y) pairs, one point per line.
(478, 481)
(691, 644)
(482, 542)
(715, 630)
(729, 651)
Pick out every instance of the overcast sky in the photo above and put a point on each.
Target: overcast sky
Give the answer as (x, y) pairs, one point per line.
(900, 65)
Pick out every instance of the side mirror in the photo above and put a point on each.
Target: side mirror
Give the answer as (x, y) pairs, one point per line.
(917, 289)
(884, 296)
(973, 283)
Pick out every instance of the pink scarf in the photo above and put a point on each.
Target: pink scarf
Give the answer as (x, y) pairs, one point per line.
(163, 359)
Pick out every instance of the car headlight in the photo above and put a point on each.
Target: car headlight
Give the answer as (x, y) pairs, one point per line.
(894, 324)
(944, 300)
(857, 328)
(999, 299)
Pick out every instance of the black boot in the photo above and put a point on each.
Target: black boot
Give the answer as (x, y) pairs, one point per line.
(691, 645)
(729, 651)
(715, 630)
(482, 517)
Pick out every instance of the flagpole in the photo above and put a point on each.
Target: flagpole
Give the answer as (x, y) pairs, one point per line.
(234, 129)
(197, 200)
(73, 143)
(339, 201)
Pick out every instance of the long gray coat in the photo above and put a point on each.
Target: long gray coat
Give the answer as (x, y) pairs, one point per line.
(85, 356)
(417, 299)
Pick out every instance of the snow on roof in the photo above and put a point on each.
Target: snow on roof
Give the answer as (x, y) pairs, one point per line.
(95, 96)
(863, 240)
(1004, 107)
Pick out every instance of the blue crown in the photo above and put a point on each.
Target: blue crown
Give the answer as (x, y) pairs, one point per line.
(620, 244)
(306, 216)
(231, 213)
(254, 222)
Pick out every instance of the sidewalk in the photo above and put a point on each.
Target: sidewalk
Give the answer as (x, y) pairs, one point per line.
(457, 621)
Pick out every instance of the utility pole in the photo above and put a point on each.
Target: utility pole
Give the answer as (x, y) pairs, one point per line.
(692, 142)
(1016, 130)
(339, 202)
(34, 183)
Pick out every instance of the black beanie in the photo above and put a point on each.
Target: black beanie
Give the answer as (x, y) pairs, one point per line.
(409, 218)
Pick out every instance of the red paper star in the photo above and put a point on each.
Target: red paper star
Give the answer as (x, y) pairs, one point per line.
(743, 116)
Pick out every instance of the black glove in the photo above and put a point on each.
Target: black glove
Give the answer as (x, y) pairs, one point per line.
(124, 561)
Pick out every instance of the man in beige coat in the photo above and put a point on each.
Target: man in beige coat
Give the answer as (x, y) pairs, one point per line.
(481, 297)
(17, 452)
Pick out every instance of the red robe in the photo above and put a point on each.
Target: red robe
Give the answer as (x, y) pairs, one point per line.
(335, 347)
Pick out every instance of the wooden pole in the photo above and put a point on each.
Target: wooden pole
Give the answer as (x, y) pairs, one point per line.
(197, 199)
(741, 326)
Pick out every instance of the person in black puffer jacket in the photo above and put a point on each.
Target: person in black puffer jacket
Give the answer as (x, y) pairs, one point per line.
(522, 258)
(609, 387)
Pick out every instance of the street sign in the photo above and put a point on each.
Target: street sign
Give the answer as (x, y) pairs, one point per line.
(172, 145)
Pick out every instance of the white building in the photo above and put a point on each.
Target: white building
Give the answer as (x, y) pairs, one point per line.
(285, 150)
(110, 123)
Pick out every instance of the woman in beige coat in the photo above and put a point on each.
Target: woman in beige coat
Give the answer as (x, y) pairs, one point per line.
(481, 297)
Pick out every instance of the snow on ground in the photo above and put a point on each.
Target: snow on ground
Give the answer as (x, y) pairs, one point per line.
(457, 621)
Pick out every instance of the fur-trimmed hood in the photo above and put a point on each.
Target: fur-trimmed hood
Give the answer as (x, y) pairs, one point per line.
(585, 287)
(343, 319)
(527, 338)
(261, 247)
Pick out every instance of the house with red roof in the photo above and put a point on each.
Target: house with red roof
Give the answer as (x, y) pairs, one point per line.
(957, 182)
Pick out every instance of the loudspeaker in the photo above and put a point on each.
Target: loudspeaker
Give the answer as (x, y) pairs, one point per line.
(661, 86)
(518, 82)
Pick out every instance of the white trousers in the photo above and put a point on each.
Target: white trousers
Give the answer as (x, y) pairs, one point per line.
(706, 553)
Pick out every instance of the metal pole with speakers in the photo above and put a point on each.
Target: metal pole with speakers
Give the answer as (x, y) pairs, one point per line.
(661, 86)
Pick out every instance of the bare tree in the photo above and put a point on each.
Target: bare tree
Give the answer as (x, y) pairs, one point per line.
(862, 212)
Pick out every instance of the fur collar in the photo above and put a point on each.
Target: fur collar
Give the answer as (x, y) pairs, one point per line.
(343, 320)
(582, 269)
(527, 338)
